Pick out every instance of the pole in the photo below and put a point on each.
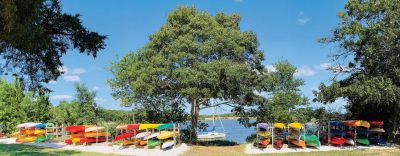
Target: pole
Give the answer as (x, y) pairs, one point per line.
(272, 132)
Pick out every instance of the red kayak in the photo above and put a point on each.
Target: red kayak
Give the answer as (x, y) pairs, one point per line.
(376, 123)
(128, 127)
(125, 135)
(92, 140)
(278, 144)
(75, 129)
(68, 141)
(336, 140)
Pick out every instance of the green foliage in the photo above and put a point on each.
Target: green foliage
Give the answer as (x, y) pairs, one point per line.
(285, 102)
(193, 58)
(368, 37)
(35, 34)
(86, 104)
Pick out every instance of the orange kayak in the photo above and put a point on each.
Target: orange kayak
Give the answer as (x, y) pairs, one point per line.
(299, 143)
(143, 142)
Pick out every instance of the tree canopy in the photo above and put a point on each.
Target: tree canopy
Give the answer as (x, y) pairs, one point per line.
(368, 36)
(35, 34)
(193, 58)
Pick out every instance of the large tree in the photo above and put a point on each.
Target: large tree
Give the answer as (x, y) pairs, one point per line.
(35, 34)
(194, 58)
(368, 36)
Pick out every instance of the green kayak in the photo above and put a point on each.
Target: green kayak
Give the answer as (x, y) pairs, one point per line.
(363, 141)
(152, 143)
(311, 140)
(165, 126)
(44, 138)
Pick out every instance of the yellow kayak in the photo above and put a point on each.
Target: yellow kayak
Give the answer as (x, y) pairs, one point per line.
(279, 125)
(39, 131)
(130, 142)
(77, 135)
(75, 140)
(94, 134)
(30, 131)
(362, 123)
(28, 139)
(165, 135)
(295, 125)
(148, 126)
(264, 134)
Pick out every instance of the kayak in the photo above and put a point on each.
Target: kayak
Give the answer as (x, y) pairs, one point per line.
(364, 124)
(68, 141)
(363, 141)
(148, 126)
(20, 139)
(278, 143)
(336, 140)
(295, 125)
(40, 126)
(357, 123)
(153, 135)
(39, 131)
(143, 142)
(92, 140)
(165, 126)
(94, 129)
(311, 140)
(21, 125)
(168, 144)
(264, 141)
(335, 132)
(376, 123)
(74, 129)
(76, 140)
(153, 143)
(336, 123)
(77, 135)
(299, 143)
(124, 136)
(279, 125)
(377, 130)
(31, 125)
(165, 135)
(142, 135)
(41, 139)
(264, 134)
(349, 141)
(28, 139)
(130, 142)
(98, 134)
(30, 131)
(263, 126)
(128, 127)
(377, 141)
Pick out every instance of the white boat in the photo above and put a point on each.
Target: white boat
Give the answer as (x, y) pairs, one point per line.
(168, 144)
(349, 141)
(211, 135)
(153, 135)
(142, 135)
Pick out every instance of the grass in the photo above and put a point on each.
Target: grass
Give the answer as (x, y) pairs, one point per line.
(238, 150)
(26, 150)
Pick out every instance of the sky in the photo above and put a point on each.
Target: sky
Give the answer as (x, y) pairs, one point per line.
(286, 30)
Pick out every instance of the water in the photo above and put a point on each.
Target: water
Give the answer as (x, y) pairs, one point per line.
(233, 129)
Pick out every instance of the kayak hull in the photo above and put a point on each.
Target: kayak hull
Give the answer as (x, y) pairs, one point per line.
(165, 135)
(298, 143)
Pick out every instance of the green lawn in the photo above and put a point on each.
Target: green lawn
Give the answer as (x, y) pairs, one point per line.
(26, 150)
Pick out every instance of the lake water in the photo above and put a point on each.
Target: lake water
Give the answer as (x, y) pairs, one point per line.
(233, 129)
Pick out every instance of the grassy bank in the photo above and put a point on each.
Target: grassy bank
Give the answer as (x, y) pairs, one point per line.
(26, 150)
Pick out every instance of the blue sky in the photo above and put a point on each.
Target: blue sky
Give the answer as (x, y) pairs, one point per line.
(286, 29)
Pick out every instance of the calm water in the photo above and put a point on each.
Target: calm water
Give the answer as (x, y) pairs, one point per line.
(233, 129)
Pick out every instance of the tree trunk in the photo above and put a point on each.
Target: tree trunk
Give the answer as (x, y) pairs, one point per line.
(195, 109)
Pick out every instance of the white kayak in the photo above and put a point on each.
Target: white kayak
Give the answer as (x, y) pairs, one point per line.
(30, 125)
(142, 135)
(168, 144)
(153, 135)
(377, 130)
(94, 129)
(349, 141)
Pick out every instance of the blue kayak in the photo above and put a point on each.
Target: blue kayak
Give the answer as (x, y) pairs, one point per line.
(378, 141)
(335, 132)
(40, 126)
(336, 123)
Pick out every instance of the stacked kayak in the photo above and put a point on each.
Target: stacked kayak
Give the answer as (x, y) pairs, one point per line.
(295, 131)
(309, 137)
(166, 137)
(32, 132)
(337, 134)
(263, 134)
(40, 133)
(128, 132)
(86, 134)
(280, 134)
(360, 128)
(377, 133)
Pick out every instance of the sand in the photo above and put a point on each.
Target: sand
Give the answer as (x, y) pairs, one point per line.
(250, 149)
(108, 149)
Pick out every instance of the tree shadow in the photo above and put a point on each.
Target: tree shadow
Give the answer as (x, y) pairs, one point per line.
(28, 150)
(217, 143)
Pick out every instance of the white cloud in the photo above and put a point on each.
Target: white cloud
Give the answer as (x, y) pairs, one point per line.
(77, 71)
(72, 75)
(72, 78)
(96, 88)
(324, 66)
(271, 68)
(302, 19)
(305, 71)
(52, 82)
(61, 97)
(99, 99)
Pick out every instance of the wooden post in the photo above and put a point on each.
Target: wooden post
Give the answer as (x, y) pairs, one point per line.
(257, 138)
(355, 136)
(97, 135)
(57, 133)
(106, 134)
(272, 132)
(174, 135)
(329, 133)
(179, 134)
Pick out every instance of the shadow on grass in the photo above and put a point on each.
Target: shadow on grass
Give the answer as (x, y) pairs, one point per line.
(27, 150)
(217, 143)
